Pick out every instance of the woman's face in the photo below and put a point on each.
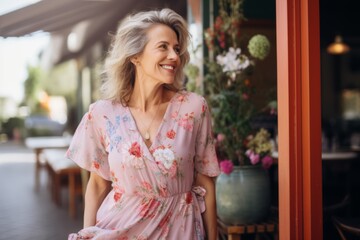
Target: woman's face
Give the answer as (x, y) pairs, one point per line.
(160, 60)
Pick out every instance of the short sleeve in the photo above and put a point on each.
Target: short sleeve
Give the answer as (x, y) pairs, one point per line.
(206, 161)
(88, 146)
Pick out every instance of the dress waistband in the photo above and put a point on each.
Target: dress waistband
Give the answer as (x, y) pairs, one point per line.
(197, 190)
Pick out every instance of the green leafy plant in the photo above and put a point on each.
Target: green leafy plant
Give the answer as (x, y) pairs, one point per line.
(227, 82)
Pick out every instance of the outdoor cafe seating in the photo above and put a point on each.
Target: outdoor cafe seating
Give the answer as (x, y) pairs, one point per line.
(62, 172)
(38, 144)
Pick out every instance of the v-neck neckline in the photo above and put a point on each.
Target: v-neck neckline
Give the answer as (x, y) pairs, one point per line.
(136, 129)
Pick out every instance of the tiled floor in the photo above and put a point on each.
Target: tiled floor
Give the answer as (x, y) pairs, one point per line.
(24, 213)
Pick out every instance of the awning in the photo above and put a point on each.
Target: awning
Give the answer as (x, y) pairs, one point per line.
(52, 16)
(91, 20)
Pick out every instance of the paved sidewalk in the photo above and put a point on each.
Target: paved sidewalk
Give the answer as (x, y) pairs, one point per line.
(24, 213)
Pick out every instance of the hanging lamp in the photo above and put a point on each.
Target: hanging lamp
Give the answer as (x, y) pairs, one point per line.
(338, 46)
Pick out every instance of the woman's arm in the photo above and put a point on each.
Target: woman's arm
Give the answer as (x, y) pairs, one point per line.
(96, 191)
(209, 216)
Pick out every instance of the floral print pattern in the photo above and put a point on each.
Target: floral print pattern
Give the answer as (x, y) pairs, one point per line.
(133, 155)
(152, 194)
(111, 128)
(165, 159)
(171, 134)
(187, 121)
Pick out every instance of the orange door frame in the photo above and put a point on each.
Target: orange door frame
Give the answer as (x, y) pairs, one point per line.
(299, 119)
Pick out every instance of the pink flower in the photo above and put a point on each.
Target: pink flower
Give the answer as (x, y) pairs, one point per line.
(135, 149)
(245, 96)
(148, 208)
(226, 166)
(117, 196)
(254, 158)
(171, 134)
(186, 123)
(220, 137)
(267, 161)
(249, 152)
(174, 115)
(96, 165)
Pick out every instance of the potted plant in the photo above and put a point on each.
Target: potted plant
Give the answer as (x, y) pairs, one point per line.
(244, 152)
(243, 191)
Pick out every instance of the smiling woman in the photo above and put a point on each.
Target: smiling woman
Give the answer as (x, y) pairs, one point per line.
(148, 144)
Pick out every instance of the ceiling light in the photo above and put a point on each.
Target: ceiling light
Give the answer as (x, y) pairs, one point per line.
(72, 42)
(338, 46)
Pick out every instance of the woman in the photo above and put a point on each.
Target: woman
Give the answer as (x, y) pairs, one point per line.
(148, 145)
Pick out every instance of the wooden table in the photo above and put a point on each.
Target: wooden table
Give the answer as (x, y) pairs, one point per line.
(38, 144)
(257, 229)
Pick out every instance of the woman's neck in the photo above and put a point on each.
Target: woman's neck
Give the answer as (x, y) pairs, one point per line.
(145, 97)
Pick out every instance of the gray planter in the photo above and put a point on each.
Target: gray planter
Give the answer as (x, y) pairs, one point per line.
(243, 197)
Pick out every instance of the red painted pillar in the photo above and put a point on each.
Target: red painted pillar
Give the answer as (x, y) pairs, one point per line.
(299, 119)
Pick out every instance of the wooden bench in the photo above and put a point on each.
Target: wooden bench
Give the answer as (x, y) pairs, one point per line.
(62, 170)
(38, 144)
(257, 229)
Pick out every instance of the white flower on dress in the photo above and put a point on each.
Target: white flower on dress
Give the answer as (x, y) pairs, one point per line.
(166, 162)
(165, 156)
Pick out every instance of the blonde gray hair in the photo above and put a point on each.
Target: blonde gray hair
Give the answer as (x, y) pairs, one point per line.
(129, 41)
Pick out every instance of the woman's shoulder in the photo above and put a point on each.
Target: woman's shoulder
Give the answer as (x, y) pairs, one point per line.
(104, 106)
(192, 102)
(191, 97)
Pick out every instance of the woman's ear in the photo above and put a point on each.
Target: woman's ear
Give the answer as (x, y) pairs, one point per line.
(135, 60)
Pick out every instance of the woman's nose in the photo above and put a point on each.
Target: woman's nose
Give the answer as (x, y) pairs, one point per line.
(173, 55)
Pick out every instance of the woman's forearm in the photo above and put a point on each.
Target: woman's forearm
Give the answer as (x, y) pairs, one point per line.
(96, 190)
(209, 216)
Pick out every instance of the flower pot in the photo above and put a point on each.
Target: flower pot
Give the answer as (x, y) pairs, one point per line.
(243, 197)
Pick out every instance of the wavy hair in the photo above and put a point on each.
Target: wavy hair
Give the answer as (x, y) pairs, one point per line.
(129, 41)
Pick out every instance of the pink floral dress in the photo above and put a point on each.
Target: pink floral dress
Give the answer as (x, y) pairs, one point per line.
(152, 194)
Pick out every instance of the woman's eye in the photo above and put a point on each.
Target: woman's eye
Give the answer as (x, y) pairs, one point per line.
(163, 46)
(177, 50)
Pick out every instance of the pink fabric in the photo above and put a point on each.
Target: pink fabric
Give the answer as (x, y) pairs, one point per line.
(152, 195)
